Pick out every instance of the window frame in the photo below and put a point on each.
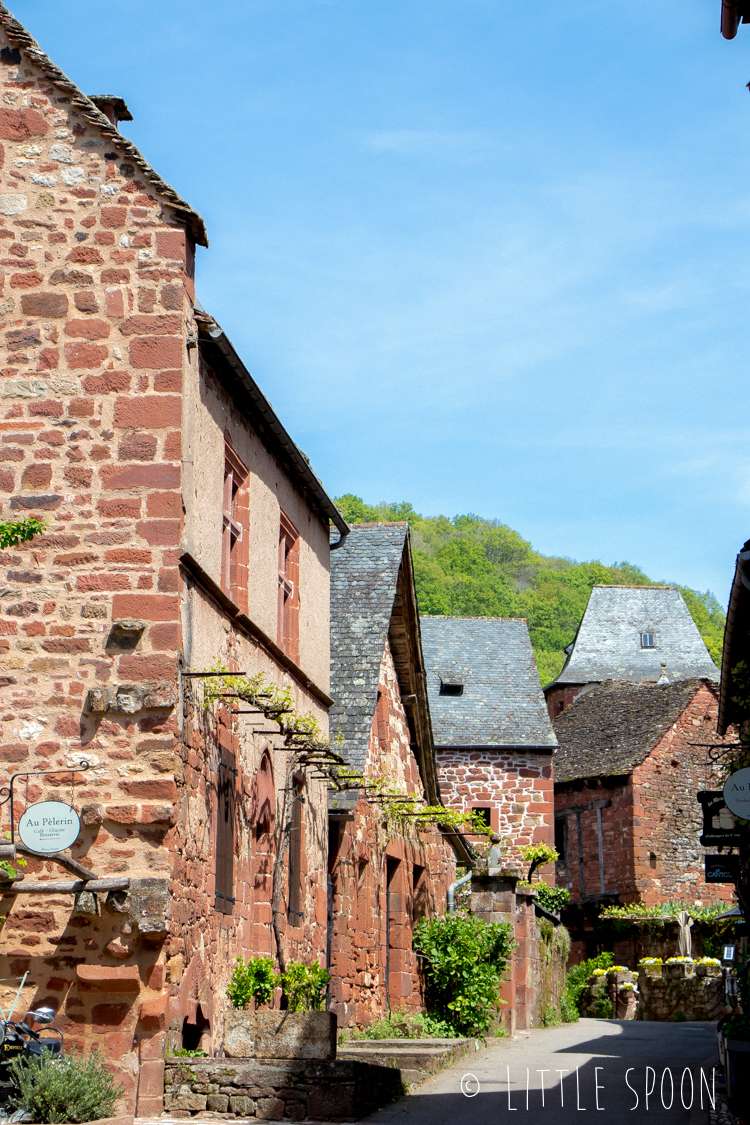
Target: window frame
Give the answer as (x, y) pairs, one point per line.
(234, 526)
(288, 595)
(648, 633)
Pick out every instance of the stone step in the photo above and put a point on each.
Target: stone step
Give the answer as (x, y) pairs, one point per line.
(416, 1059)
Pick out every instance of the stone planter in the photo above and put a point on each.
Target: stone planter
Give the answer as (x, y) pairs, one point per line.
(653, 972)
(708, 970)
(280, 1035)
(680, 970)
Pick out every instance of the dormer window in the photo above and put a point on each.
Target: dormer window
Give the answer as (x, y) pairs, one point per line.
(647, 640)
(451, 688)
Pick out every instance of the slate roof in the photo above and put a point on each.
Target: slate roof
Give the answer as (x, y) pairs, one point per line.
(608, 643)
(502, 702)
(611, 728)
(364, 575)
(20, 37)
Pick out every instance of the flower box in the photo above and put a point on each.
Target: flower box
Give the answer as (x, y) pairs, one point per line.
(279, 1035)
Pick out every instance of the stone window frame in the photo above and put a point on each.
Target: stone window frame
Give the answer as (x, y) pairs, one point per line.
(289, 601)
(234, 527)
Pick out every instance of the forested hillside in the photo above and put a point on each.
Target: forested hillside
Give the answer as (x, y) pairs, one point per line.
(473, 567)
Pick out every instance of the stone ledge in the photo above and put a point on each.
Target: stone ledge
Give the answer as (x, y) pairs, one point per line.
(278, 1089)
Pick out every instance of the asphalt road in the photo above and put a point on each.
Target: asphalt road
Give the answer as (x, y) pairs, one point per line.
(638, 1067)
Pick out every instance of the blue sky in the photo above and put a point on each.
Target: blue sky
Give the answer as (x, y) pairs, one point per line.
(482, 255)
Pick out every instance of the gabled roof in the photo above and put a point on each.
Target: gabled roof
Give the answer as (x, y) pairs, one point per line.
(502, 702)
(373, 600)
(608, 643)
(613, 727)
(20, 37)
(364, 577)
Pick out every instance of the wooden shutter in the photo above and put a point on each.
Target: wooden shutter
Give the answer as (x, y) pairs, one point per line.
(225, 787)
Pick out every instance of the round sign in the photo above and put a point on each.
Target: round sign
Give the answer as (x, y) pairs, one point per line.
(737, 793)
(49, 826)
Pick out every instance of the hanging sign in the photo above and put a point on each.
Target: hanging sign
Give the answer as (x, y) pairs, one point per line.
(49, 826)
(737, 793)
(721, 868)
(720, 829)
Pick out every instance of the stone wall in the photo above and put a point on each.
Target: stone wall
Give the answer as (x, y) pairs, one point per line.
(680, 992)
(536, 981)
(96, 290)
(514, 784)
(382, 880)
(278, 1089)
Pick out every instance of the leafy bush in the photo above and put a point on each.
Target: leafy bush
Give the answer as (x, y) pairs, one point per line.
(568, 1009)
(465, 960)
(69, 1088)
(552, 898)
(575, 979)
(188, 1053)
(603, 1008)
(408, 1025)
(305, 986)
(253, 979)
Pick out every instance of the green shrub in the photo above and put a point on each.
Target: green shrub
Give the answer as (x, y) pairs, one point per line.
(575, 980)
(305, 986)
(552, 898)
(408, 1025)
(69, 1088)
(253, 979)
(465, 961)
(568, 1009)
(603, 1008)
(187, 1053)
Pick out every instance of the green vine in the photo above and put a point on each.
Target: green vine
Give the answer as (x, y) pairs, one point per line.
(13, 532)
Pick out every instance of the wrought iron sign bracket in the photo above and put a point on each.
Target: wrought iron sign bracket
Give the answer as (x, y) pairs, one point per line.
(6, 793)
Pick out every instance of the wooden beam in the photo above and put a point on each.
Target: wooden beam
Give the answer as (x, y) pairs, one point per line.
(64, 861)
(72, 887)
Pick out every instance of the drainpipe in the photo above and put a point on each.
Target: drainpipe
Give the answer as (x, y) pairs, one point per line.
(452, 892)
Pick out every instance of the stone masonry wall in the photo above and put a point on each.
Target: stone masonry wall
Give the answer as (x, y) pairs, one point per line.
(515, 784)
(383, 881)
(96, 293)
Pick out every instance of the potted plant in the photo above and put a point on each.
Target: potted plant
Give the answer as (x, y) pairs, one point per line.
(301, 1031)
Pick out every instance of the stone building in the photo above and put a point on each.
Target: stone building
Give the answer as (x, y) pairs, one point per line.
(642, 634)
(493, 737)
(383, 875)
(632, 758)
(184, 528)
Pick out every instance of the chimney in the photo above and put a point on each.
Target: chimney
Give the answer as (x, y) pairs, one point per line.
(113, 108)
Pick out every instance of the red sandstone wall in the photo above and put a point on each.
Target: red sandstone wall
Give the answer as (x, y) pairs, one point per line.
(95, 289)
(359, 864)
(515, 784)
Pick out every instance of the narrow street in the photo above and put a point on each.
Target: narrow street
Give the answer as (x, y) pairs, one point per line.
(652, 1056)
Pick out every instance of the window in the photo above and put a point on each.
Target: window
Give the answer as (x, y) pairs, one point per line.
(295, 912)
(225, 786)
(420, 893)
(561, 837)
(483, 815)
(647, 640)
(234, 527)
(447, 688)
(288, 626)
